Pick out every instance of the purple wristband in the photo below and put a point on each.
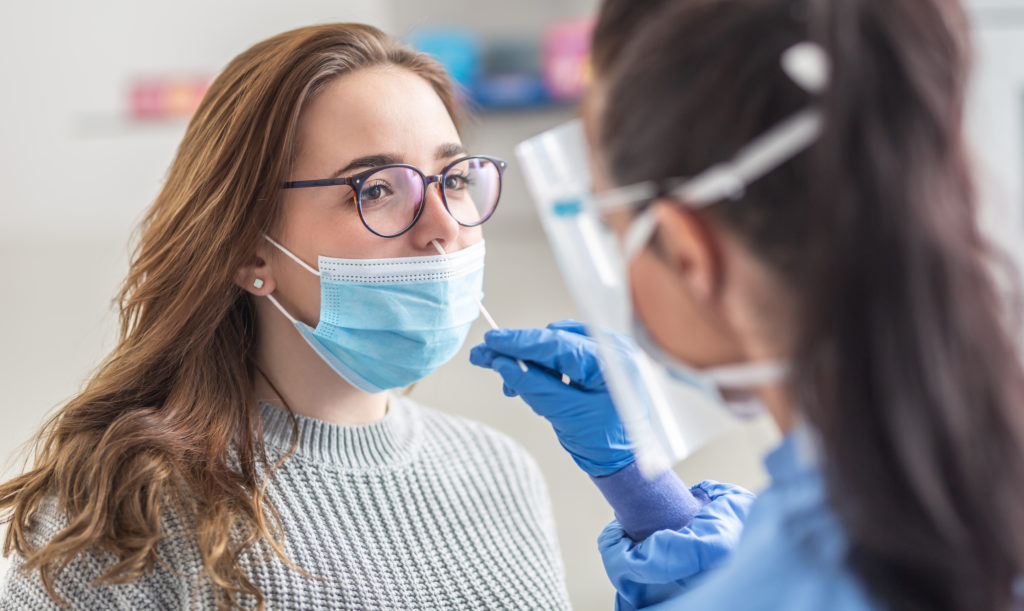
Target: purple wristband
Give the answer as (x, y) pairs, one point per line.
(644, 507)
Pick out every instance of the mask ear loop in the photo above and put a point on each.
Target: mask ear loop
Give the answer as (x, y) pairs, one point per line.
(747, 375)
(273, 300)
(291, 255)
(281, 309)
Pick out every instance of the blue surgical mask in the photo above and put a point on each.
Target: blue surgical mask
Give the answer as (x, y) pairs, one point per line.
(387, 323)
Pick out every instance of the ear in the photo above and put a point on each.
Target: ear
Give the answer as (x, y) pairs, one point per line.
(689, 245)
(255, 275)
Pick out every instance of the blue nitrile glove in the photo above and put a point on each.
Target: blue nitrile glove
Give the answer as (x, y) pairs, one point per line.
(668, 562)
(582, 413)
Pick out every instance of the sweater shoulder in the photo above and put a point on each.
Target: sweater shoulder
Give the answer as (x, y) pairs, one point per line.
(485, 458)
(170, 584)
(475, 449)
(476, 437)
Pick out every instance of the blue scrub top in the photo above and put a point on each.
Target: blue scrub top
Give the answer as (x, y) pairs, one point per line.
(790, 554)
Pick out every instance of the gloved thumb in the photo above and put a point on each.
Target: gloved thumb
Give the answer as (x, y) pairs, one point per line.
(510, 373)
(482, 356)
(541, 389)
(566, 352)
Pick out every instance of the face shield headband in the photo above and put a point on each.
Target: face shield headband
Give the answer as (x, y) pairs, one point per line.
(807, 65)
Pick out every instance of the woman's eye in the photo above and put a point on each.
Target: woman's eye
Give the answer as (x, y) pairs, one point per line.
(456, 182)
(375, 192)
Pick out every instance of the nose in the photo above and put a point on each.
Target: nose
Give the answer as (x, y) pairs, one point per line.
(435, 223)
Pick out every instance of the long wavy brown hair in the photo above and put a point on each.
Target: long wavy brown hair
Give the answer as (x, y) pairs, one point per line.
(169, 422)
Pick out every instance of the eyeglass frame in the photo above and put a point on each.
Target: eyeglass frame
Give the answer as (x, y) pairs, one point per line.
(356, 182)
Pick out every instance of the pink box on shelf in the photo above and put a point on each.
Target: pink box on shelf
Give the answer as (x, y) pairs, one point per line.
(567, 58)
(158, 97)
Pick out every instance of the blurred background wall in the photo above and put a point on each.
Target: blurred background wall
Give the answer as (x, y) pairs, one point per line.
(77, 170)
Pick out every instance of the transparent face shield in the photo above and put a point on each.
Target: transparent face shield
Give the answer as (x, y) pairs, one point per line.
(665, 419)
(667, 416)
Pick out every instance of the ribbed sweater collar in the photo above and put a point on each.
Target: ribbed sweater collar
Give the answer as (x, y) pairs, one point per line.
(389, 442)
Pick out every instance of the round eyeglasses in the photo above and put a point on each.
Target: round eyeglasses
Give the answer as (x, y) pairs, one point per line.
(390, 198)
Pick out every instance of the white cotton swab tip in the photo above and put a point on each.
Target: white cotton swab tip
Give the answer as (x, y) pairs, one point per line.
(483, 310)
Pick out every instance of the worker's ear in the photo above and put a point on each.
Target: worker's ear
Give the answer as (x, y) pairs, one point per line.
(256, 274)
(688, 244)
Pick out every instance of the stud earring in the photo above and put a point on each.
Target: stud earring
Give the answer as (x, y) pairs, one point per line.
(258, 283)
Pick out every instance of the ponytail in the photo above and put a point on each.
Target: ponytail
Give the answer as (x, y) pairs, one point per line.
(904, 363)
(907, 368)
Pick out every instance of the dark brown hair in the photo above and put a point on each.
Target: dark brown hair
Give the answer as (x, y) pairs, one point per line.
(617, 22)
(905, 363)
(156, 427)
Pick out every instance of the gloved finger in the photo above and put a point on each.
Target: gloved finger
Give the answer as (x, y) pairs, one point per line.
(542, 390)
(662, 558)
(569, 325)
(482, 356)
(612, 537)
(619, 340)
(561, 351)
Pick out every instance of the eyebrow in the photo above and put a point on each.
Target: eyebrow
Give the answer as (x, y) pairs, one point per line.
(445, 151)
(368, 161)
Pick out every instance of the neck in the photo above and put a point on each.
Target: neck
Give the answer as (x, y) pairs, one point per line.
(776, 399)
(301, 381)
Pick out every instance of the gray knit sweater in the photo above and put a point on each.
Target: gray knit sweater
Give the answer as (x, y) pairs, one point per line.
(419, 511)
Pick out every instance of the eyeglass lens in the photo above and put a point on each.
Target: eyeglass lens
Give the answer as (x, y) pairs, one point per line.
(390, 198)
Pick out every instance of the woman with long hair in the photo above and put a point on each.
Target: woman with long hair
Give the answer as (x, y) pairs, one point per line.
(316, 245)
(793, 193)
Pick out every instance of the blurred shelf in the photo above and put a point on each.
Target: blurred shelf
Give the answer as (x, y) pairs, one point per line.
(95, 125)
(513, 111)
(98, 125)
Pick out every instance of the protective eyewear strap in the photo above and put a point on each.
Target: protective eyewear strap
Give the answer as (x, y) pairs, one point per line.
(640, 232)
(807, 65)
(726, 180)
(767, 152)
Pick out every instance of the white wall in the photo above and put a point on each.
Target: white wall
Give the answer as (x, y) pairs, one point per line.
(68, 165)
(996, 119)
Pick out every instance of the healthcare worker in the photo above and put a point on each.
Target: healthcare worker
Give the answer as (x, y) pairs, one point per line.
(792, 193)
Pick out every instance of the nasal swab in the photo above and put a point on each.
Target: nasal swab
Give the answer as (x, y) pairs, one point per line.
(487, 315)
(483, 310)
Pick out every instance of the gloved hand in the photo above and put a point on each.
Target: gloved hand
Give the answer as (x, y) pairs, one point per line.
(581, 412)
(669, 562)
